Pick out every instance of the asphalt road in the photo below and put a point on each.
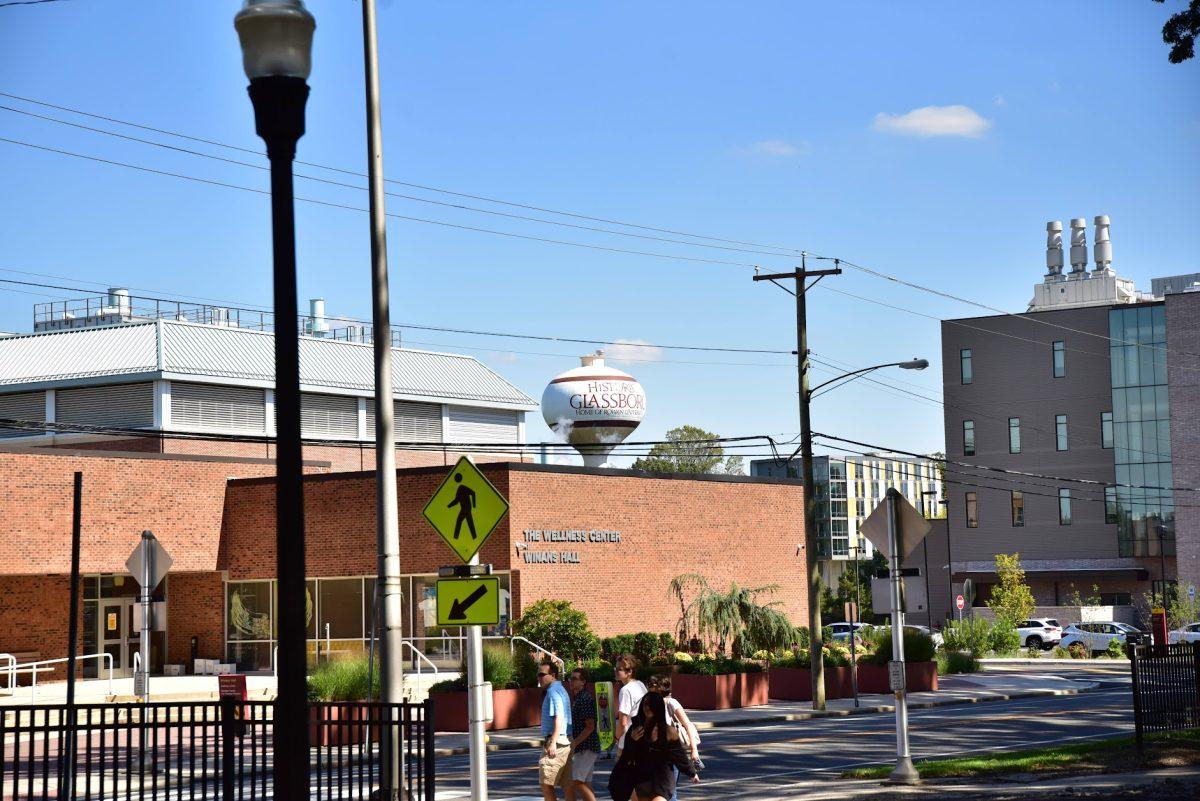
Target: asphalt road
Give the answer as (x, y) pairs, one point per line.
(766, 761)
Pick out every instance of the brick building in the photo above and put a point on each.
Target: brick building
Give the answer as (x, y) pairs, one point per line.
(617, 537)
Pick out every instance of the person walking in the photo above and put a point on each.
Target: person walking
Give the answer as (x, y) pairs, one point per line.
(630, 696)
(464, 499)
(585, 742)
(678, 719)
(653, 749)
(554, 767)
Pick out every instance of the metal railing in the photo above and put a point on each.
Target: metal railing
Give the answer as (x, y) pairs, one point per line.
(11, 670)
(36, 667)
(420, 657)
(1166, 687)
(512, 647)
(206, 749)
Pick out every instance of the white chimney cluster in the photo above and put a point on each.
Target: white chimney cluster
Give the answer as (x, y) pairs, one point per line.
(1102, 252)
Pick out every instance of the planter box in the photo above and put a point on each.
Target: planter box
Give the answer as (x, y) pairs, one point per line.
(511, 709)
(795, 684)
(919, 677)
(727, 691)
(340, 724)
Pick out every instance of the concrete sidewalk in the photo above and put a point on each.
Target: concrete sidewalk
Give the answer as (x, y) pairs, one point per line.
(968, 689)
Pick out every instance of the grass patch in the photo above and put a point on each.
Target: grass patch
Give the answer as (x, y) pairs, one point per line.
(1172, 748)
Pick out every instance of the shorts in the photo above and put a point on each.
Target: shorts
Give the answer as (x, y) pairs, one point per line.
(583, 764)
(556, 771)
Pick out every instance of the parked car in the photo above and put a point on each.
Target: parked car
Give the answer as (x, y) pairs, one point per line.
(936, 636)
(1040, 632)
(841, 631)
(1096, 636)
(1188, 633)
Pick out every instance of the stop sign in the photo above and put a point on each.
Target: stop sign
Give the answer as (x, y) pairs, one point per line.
(960, 602)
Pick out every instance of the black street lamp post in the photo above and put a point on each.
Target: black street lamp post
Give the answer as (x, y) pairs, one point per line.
(276, 39)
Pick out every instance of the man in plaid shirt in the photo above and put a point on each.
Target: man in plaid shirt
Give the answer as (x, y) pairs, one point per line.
(585, 743)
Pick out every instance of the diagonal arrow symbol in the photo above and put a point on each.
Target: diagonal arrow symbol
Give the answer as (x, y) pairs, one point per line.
(458, 609)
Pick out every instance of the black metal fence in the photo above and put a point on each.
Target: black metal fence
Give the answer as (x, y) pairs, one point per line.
(215, 751)
(1166, 687)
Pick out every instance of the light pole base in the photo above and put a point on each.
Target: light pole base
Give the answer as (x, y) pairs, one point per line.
(903, 773)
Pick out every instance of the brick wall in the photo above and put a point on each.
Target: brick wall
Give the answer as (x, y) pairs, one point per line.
(195, 608)
(34, 617)
(1183, 376)
(729, 531)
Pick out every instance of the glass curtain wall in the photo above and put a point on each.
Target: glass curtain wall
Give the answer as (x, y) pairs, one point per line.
(1141, 431)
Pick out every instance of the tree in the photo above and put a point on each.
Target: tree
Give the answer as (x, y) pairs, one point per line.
(735, 618)
(1182, 608)
(560, 628)
(689, 449)
(1181, 31)
(1012, 600)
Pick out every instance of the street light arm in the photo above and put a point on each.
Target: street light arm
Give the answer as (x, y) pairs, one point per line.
(910, 365)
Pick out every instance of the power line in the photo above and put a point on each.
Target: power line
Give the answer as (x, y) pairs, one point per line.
(442, 223)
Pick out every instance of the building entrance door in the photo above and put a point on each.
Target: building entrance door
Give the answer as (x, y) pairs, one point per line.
(117, 635)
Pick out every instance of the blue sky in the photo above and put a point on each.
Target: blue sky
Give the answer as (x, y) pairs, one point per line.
(782, 123)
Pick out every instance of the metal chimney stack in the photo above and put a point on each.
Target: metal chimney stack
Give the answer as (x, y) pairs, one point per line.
(318, 326)
(1079, 254)
(1054, 250)
(1102, 250)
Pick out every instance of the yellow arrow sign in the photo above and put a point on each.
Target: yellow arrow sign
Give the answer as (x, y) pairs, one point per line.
(468, 602)
(465, 509)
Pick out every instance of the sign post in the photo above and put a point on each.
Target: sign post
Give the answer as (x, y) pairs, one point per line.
(464, 510)
(896, 528)
(149, 564)
(959, 603)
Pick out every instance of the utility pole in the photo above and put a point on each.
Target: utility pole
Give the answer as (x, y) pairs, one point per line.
(800, 275)
(387, 527)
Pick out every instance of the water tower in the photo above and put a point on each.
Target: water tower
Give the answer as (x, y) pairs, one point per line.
(594, 407)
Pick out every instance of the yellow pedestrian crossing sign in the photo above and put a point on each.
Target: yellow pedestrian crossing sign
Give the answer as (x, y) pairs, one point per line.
(465, 509)
(468, 602)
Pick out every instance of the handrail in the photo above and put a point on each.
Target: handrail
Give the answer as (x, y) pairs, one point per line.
(34, 665)
(11, 670)
(512, 647)
(420, 657)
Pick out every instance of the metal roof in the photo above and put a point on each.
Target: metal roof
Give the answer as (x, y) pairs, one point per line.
(239, 357)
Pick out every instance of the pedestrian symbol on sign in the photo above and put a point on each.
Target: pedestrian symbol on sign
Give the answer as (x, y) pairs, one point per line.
(465, 499)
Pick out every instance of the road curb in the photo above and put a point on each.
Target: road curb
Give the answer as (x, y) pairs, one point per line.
(789, 717)
(1098, 662)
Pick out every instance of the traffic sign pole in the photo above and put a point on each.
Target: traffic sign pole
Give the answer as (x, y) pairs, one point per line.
(904, 772)
(477, 706)
(144, 646)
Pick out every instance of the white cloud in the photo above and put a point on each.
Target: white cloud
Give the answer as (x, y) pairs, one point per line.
(505, 357)
(934, 121)
(777, 148)
(632, 350)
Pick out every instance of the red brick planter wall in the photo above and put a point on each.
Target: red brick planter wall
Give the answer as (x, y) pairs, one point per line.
(795, 684)
(511, 709)
(728, 691)
(919, 676)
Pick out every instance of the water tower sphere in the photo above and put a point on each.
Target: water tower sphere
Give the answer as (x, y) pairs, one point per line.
(594, 407)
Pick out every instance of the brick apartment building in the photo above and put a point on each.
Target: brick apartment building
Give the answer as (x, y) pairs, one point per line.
(1073, 434)
(618, 537)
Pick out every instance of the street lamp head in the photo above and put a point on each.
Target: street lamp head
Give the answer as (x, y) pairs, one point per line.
(915, 364)
(276, 38)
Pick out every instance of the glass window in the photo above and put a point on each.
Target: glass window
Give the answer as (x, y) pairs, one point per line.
(968, 373)
(1064, 507)
(1060, 360)
(1110, 504)
(1018, 508)
(968, 437)
(1106, 430)
(248, 610)
(341, 608)
(1060, 432)
(1014, 435)
(972, 511)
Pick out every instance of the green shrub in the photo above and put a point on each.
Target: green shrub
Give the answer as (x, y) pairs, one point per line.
(343, 680)
(800, 637)
(1060, 653)
(612, 647)
(499, 667)
(1005, 639)
(600, 670)
(956, 662)
(1078, 650)
(560, 627)
(645, 643)
(798, 658)
(971, 634)
(666, 643)
(1115, 650)
(718, 666)
(918, 647)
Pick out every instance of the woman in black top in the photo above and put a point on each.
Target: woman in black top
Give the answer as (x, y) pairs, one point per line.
(651, 749)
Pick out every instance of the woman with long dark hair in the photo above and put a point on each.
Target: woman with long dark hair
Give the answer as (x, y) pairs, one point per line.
(651, 750)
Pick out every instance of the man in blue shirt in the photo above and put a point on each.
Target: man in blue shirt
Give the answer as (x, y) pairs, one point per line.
(555, 765)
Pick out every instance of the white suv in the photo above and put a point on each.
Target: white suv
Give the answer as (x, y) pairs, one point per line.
(1096, 636)
(1040, 632)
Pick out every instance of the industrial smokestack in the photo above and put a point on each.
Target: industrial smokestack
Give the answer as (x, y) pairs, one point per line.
(1079, 254)
(1102, 250)
(1054, 249)
(316, 317)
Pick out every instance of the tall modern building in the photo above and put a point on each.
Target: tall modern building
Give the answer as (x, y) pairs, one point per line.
(1073, 433)
(848, 489)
